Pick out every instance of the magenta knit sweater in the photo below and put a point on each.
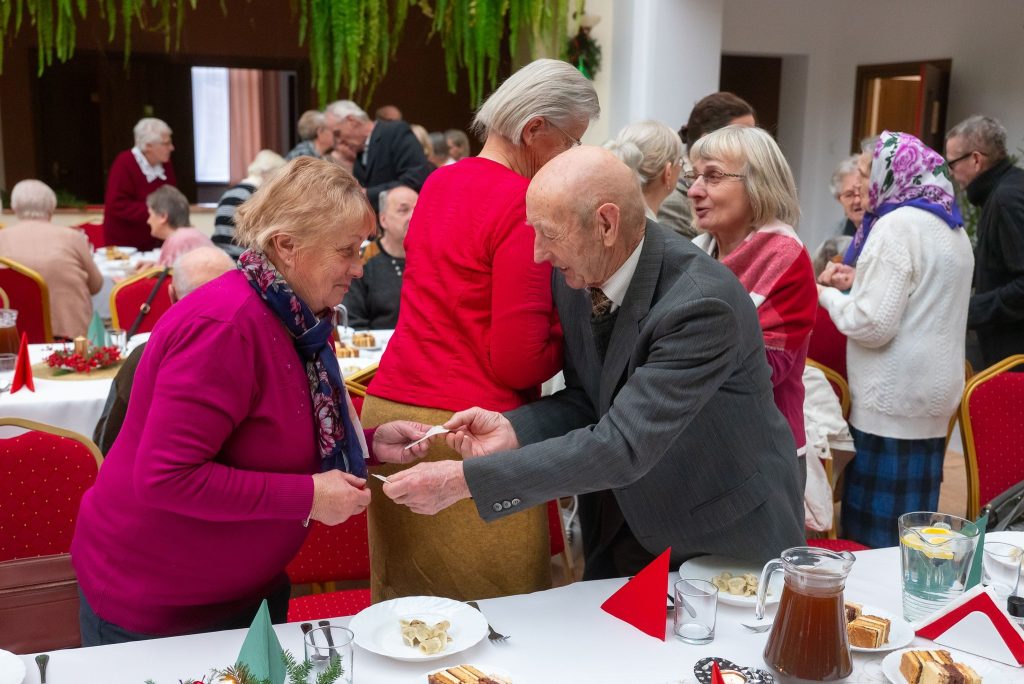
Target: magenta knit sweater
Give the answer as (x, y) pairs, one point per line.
(199, 505)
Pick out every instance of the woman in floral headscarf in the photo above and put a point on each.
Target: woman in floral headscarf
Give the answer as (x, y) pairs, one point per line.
(910, 264)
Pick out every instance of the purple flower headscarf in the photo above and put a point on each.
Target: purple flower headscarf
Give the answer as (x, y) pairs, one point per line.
(905, 173)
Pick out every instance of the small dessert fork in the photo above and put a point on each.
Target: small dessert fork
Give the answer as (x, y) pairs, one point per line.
(496, 637)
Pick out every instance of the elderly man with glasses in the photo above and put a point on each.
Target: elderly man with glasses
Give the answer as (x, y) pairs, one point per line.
(977, 158)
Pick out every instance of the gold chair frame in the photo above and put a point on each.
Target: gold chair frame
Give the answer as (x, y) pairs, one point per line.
(967, 430)
(844, 405)
(54, 430)
(128, 281)
(44, 293)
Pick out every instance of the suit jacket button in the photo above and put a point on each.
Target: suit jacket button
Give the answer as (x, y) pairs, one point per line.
(496, 507)
(516, 502)
(506, 504)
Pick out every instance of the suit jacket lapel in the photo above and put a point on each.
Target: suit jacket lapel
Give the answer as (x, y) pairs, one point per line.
(633, 310)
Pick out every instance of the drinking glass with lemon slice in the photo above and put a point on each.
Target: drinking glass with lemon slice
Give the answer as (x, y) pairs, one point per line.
(935, 555)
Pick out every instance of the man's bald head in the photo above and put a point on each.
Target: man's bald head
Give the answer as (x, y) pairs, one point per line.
(587, 212)
(198, 267)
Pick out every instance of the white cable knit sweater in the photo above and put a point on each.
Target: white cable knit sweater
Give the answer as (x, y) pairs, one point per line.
(905, 320)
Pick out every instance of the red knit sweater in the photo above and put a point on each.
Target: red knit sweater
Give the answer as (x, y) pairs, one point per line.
(124, 210)
(477, 325)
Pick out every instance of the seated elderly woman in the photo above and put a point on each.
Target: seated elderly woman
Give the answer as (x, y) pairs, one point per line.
(372, 301)
(744, 197)
(61, 255)
(262, 168)
(655, 153)
(169, 221)
(845, 187)
(239, 429)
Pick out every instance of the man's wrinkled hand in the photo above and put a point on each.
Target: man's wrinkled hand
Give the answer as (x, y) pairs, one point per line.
(478, 432)
(428, 487)
(390, 440)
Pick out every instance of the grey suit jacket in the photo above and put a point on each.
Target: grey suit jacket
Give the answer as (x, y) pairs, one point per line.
(680, 421)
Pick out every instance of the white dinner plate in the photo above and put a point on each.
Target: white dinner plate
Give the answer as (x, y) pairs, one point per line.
(127, 251)
(486, 669)
(377, 628)
(891, 664)
(12, 669)
(900, 631)
(709, 567)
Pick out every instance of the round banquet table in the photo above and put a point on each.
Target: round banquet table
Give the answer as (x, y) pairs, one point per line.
(559, 635)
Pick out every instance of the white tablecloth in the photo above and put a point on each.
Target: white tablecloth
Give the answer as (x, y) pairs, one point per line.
(561, 635)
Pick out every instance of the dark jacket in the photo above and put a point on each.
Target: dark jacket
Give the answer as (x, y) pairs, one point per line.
(997, 306)
(393, 157)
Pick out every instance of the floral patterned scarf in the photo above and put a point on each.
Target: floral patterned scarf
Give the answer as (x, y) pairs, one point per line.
(905, 173)
(340, 443)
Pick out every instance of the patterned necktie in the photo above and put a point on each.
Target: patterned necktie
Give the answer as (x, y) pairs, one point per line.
(600, 305)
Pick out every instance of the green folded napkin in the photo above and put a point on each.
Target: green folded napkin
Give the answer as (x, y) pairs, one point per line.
(974, 576)
(261, 651)
(97, 333)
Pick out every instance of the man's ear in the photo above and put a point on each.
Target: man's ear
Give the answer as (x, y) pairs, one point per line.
(284, 248)
(532, 128)
(171, 294)
(608, 216)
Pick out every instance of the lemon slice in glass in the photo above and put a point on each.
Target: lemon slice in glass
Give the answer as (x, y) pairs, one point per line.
(929, 541)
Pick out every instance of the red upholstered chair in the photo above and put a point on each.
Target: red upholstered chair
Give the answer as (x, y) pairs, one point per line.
(837, 544)
(43, 473)
(93, 231)
(128, 297)
(331, 554)
(993, 432)
(828, 345)
(23, 289)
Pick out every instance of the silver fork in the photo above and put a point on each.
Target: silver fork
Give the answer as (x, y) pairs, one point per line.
(496, 637)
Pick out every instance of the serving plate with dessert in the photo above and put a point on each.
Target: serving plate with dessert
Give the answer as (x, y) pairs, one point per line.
(468, 674)
(935, 666)
(736, 580)
(365, 340)
(418, 628)
(874, 630)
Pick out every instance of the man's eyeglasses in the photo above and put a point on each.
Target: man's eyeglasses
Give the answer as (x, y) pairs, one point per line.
(711, 178)
(951, 162)
(574, 142)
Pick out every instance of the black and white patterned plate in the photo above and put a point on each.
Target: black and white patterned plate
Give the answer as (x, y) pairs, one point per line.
(702, 671)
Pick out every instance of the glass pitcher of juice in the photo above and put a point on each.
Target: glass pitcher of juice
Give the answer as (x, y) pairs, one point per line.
(8, 331)
(808, 641)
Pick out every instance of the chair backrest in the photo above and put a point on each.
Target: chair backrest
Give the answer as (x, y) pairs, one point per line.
(129, 295)
(333, 553)
(838, 383)
(992, 429)
(43, 473)
(26, 291)
(827, 345)
(94, 232)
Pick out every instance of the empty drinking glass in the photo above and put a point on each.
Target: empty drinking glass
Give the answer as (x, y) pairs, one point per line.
(696, 606)
(7, 370)
(1000, 566)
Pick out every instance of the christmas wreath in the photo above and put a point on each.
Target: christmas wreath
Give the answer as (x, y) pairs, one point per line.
(69, 361)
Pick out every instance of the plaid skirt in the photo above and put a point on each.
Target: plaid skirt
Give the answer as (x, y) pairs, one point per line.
(887, 478)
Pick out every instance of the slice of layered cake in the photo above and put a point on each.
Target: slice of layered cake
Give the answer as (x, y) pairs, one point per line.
(868, 631)
(935, 667)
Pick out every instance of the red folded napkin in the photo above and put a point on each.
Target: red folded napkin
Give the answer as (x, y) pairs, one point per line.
(22, 368)
(641, 601)
(716, 674)
(976, 623)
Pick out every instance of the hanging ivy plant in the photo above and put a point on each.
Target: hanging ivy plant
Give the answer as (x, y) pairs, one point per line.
(351, 42)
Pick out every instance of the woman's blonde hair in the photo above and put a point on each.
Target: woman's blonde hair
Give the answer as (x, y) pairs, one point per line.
(646, 147)
(767, 177)
(307, 200)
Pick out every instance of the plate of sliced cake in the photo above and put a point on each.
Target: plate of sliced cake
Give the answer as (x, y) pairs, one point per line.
(469, 674)
(874, 630)
(935, 666)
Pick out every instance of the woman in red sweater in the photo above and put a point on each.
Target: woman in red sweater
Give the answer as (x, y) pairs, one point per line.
(477, 328)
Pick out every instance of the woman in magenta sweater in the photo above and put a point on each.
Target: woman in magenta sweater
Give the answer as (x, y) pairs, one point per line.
(239, 429)
(477, 328)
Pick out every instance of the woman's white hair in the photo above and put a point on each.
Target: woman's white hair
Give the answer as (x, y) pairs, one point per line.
(548, 88)
(33, 199)
(843, 169)
(264, 164)
(646, 147)
(767, 177)
(150, 131)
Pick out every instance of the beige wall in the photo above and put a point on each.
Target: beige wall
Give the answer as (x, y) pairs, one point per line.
(202, 217)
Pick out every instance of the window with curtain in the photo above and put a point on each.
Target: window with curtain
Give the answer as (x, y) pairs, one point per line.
(210, 117)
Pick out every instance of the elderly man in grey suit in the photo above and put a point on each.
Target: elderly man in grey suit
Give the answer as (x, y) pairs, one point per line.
(667, 416)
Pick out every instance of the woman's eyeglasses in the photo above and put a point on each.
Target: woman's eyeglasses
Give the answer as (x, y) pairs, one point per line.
(573, 142)
(711, 178)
